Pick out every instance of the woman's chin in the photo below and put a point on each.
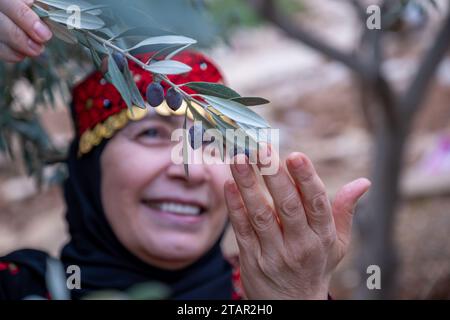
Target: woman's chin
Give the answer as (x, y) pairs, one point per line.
(177, 250)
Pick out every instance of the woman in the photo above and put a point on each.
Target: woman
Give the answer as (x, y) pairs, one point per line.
(134, 216)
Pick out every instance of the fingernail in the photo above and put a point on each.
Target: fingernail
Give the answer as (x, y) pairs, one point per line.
(241, 164)
(36, 48)
(361, 181)
(297, 162)
(42, 31)
(242, 169)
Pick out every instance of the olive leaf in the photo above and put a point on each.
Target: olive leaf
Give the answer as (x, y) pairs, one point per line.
(118, 81)
(93, 43)
(95, 57)
(61, 32)
(177, 51)
(251, 101)
(42, 13)
(179, 40)
(65, 5)
(250, 131)
(95, 9)
(185, 146)
(213, 89)
(227, 129)
(136, 96)
(139, 32)
(87, 21)
(236, 111)
(168, 67)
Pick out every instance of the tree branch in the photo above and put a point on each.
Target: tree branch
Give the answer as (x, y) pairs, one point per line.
(388, 102)
(268, 10)
(374, 82)
(415, 94)
(359, 9)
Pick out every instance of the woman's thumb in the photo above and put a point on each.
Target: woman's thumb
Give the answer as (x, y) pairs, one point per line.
(344, 204)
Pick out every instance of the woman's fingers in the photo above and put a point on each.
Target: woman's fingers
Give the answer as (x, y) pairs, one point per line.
(260, 213)
(16, 39)
(21, 29)
(24, 18)
(344, 205)
(243, 230)
(313, 195)
(287, 201)
(9, 55)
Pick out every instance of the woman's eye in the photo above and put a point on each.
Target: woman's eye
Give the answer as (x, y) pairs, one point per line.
(154, 134)
(151, 133)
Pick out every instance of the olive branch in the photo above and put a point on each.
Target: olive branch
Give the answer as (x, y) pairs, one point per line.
(80, 23)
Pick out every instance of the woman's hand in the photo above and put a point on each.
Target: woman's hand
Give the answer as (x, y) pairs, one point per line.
(22, 33)
(289, 250)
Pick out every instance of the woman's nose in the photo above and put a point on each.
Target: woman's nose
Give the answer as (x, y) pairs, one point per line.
(198, 173)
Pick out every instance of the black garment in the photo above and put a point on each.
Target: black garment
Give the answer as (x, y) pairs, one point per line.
(104, 262)
(21, 275)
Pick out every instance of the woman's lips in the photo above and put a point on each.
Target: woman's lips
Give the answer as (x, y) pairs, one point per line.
(174, 213)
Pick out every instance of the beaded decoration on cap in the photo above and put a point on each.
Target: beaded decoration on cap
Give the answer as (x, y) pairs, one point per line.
(100, 111)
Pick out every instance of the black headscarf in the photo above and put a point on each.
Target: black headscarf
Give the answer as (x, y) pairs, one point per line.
(106, 264)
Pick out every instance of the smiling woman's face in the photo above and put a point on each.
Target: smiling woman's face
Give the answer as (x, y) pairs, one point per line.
(160, 215)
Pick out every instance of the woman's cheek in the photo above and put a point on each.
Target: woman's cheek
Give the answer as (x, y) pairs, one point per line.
(123, 174)
(140, 165)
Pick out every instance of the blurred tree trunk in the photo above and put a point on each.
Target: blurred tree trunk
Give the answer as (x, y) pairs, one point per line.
(376, 221)
(389, 116)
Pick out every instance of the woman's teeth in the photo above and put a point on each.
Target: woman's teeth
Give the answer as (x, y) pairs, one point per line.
(178, 208)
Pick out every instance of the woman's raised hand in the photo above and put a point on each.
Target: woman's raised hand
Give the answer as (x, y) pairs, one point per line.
(22, 33)
(290, 249)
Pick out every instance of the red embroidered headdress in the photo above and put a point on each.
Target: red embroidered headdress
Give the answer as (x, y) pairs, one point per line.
(100, 111)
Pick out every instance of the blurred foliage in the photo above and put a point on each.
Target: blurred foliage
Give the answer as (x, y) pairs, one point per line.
(21, 130)
(232, 14)
(407, 15)
(56, 283)
(141, 291)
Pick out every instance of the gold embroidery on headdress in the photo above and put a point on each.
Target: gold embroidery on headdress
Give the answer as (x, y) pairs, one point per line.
(105, 130)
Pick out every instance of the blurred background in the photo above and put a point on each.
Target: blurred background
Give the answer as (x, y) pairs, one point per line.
(358, 102)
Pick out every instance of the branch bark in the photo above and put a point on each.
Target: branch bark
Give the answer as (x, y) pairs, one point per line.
(269, 10)
(359, 9)
(415, 94)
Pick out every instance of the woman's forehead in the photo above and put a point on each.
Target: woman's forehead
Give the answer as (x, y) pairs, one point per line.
(172, 119)
(175, 121)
